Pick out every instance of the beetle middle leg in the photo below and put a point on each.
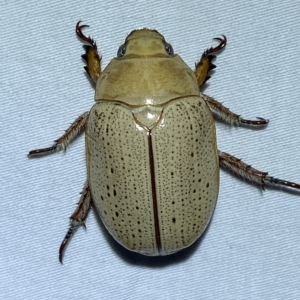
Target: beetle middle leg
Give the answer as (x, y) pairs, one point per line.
(77, 218)
(62, 142)
(230, 117)
(84, 203)
(91, 56)
(238, 167)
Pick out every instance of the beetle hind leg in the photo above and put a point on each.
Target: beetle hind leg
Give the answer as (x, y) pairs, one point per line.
(238, 167)
(91, 56)
(204, 66)
(77, 218)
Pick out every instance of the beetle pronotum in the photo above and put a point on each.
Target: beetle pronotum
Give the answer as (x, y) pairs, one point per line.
(151, 151)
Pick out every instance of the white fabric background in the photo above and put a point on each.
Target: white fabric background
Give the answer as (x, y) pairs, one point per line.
(252, 247)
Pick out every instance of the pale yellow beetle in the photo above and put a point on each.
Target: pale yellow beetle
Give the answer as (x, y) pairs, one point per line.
(151, 151)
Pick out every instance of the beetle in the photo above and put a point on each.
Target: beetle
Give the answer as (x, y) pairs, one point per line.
(151, 151)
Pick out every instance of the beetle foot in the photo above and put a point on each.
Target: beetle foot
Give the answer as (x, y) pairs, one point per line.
(77, 218)
(62, 143)
(44, 151)
(91, 56)
(205, 65)
(277, 182)
(258, 122)
(73, 227)
(230, 117)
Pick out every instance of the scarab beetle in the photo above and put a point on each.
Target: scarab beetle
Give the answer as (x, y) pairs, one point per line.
(151, 151)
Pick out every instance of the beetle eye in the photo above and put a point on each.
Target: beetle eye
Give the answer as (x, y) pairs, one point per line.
(121, 51)
(169, 49)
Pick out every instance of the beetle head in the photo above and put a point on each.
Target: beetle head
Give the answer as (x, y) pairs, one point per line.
(145, 42)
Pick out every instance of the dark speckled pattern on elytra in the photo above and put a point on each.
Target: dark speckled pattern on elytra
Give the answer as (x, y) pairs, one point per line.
(186, 174)
(119, 177)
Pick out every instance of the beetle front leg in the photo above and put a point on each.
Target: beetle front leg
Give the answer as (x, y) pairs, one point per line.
(62, 142)
(205, 65)
(237, 166)
(230, 117)
(77, 218)
(91, 56)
